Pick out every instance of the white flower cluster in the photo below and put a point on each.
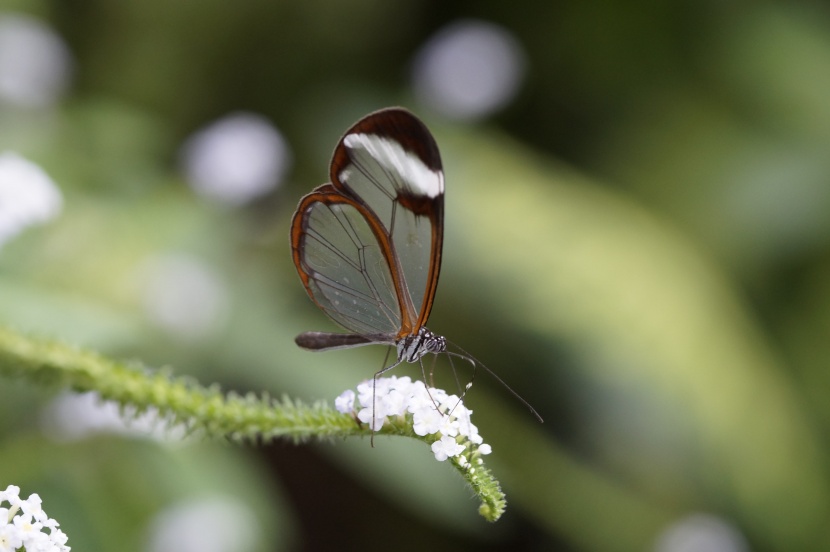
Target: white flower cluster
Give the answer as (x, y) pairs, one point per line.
(431, 412)
(22, 524)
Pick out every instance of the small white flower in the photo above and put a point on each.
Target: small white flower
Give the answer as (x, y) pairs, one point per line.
(446, 447)
(484, 449)
(365, 416)
(344, 402)
(59, 537)
(22, 525)
(439, 397)
(420, 398)
(32, 507)
(395, 402)
(402, 384)
(366, 391)
(10, 538)
(27, 195)
(473, 435)
(426, 420)
(462, 414)
(11, 495)
(30, 532)
(449, 426)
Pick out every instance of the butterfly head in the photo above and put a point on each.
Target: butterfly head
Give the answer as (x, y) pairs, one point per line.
(413, 347)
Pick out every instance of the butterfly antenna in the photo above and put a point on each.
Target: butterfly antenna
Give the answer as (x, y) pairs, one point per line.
(475, 362)
(431, 380)
(462, 393)
(457, 381)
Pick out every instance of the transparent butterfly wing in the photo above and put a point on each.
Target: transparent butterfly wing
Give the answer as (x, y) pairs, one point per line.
(368, 246)
(390, 162)
(342, 265)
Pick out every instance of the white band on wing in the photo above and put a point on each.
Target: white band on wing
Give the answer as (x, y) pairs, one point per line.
(421, 179)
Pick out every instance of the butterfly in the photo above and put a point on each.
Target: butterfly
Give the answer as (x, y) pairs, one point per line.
(368, 245)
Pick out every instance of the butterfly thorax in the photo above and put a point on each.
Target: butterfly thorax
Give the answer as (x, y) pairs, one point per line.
(413, 347)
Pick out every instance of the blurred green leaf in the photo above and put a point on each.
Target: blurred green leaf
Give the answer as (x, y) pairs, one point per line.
(679, 385)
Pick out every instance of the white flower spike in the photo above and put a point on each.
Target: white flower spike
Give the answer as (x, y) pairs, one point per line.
(22, 524)
(401, 398)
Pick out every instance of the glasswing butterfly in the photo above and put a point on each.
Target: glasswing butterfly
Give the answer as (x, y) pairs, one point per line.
(367, 246)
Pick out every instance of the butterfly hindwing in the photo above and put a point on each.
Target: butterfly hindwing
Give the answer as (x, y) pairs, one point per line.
(342, 264)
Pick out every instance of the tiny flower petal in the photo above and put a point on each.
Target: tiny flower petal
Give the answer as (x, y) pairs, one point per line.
(10, 537)
(439, 396)
(32, 506)
(344, 403)
(448, 426)
(10, 495)
(426, 421)
(420, 398)
(446, 447)
(59, 537)
(395, 403)
(365, 416)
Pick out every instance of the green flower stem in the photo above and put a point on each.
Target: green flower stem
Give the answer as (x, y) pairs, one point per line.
(205, 410)
(480, 479)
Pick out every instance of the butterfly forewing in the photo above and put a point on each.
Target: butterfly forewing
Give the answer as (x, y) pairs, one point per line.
(390, 162)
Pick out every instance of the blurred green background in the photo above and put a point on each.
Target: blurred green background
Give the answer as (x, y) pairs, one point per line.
(637, 241)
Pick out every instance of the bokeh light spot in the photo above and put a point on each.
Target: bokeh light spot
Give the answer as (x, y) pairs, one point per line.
(468, 70)
(236, 159)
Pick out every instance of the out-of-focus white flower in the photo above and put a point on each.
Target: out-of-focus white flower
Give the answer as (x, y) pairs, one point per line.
(236, 159)
(468, 70)
(212, 524)
(27, 195)
(22, 524)
(34, 63)
(344, 403)
(75, 416)
(701, 533)
(430, 411)
(184, 297)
